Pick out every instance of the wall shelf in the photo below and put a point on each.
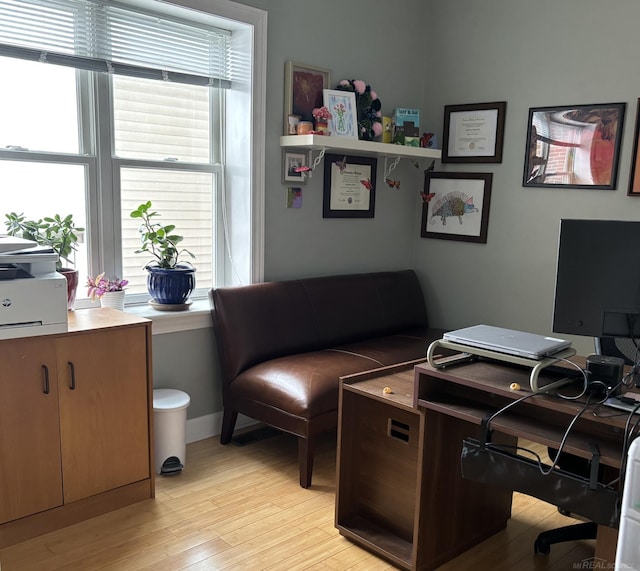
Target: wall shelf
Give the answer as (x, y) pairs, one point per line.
(356, 146)
(391, 153)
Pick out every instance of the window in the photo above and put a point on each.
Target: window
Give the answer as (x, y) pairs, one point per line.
(74, 139)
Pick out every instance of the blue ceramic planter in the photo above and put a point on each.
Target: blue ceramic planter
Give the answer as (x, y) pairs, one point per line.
(172, 286)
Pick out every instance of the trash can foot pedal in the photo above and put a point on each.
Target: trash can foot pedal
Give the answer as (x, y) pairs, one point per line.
(171, 466)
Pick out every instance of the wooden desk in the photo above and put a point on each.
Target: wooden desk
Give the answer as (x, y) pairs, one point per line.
(400, 492)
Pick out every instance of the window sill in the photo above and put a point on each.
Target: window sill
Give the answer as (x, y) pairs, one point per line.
(198, 316)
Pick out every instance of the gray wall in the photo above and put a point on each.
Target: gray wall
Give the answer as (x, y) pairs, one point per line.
(529, 54)
(428, 54)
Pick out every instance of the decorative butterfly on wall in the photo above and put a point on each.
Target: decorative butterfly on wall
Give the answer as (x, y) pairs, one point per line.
(303, 168)
(393, 183)
(342, 164)
(367, 184)
(427, 197)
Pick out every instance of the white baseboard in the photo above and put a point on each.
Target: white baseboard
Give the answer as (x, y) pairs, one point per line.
(210, 425)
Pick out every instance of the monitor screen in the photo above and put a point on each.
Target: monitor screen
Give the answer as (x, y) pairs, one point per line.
(598, 279)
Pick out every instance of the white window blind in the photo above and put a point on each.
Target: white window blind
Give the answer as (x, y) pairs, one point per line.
(110, 37)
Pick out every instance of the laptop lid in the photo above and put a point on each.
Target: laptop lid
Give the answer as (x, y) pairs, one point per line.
(509, 341)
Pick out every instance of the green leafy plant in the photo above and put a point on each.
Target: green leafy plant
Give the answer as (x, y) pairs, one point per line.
(158, 240)
(58, 233)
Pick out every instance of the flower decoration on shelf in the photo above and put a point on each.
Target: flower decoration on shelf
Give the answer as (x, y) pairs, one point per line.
(321, 114)
(368, 106)
(100, 285)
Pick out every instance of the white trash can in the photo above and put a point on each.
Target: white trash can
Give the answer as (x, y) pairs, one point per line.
(170, 427)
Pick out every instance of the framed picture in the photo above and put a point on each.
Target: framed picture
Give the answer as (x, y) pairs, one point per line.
(473, 133)
(344, 113)
(634, 177)
(456, 206)
(349, 186)
(303, 86)
(291, 160)
(576, 146)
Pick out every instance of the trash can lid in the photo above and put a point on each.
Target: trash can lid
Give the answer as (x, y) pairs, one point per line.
(170, 399)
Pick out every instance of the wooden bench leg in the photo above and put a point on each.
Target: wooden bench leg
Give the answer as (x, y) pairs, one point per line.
(229, 418)
(305, 460)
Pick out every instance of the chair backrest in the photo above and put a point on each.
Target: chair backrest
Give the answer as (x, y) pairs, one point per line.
(618, 347)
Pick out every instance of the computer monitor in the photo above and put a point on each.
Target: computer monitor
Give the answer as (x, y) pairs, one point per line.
(598, 279)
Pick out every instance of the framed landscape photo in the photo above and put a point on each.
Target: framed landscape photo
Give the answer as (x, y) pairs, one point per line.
(574, 146)
(349, 186)
(344, 113)
(456, 206)
(291, 160)
(474, 133)
(303, 86)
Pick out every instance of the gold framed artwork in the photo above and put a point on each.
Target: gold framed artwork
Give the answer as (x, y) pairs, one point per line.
(303, 87)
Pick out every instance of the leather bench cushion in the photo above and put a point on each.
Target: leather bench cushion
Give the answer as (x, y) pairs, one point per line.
(306, 384)
(261, 322)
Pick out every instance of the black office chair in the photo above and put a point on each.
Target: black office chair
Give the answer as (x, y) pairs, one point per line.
(622, 347)
(576, 531)
(611, 347)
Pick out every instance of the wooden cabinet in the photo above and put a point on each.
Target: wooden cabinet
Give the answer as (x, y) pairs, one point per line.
(380, 452)
(400, 492)
(75, 423)
(30, 464)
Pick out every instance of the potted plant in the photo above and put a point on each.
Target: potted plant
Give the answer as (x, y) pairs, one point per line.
(321, 116)
(169, 280)
(58, 233)
(110, 292)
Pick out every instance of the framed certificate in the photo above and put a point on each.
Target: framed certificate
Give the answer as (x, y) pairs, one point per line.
(473, 133)
(349, 186)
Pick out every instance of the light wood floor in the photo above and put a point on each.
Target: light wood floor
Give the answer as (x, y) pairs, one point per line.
(241, 508)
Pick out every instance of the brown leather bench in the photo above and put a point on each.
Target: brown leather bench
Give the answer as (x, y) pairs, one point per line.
(284, 345)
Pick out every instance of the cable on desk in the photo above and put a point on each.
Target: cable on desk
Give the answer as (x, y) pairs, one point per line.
(486, 422)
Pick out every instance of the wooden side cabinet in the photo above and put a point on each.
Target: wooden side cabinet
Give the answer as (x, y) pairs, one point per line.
(379, 464)
(75, 423)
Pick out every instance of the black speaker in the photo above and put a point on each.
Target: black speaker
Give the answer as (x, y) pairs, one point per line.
(606, 373)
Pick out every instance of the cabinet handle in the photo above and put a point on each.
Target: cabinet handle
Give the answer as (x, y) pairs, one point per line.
(45, 379)
(72, 373)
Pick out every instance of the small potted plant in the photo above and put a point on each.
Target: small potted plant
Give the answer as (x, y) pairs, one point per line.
(110, 292)
(58, 233)
(321, 116)
(169, 280)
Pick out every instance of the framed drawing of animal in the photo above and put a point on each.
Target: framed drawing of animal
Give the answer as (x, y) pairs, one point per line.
(458, 206)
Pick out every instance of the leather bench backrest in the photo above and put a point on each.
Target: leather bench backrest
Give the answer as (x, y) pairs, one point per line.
(263, 321)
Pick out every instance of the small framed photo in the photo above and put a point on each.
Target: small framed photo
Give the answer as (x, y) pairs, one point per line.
(473, 133)
(292, 160)
(574, 146)
(303, 86)
(456, 206)
(634, 177)
(344, 113)
(349, 186)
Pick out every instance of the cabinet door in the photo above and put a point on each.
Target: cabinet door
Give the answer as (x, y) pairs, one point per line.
(30, 471)
(104, 419)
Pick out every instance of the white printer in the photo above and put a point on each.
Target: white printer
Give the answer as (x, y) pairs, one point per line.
(33, 296)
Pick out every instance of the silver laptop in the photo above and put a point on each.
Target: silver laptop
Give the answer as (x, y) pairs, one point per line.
(509, 341)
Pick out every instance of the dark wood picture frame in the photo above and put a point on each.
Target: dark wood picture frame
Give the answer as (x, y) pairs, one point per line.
(456, 206)
(349, 186)
(574, 146)
(303, 86)
(634, 175)
(474, 132)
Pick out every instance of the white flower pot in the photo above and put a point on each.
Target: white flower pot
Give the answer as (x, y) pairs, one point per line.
(113, 299)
